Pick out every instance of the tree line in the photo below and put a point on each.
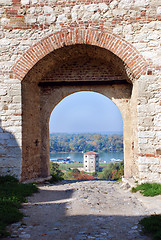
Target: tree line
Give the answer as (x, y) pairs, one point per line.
(85, 143)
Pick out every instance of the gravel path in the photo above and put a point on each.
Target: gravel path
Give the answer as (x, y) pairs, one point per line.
(81, 210)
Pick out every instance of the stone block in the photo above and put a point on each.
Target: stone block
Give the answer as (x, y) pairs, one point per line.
(158, 134)
(118, 30)
(34, 1)
(25, 2)
(5, 21)
(14, 152)
(17, 99)
(140, 45)
(148, 160)
(149, 54)
(13, 129)
(143, 168)
(5, 42)
(159, 10)
(15, 90)
(143, 140)
(127, 29)
(2, 141)
(158, 25)
(41, 19)
(96, 16)
(50, 19)
(142, 3)
(146, 134)
(32, 10)
(103, 7)
(5, 2)
(48, 10)
(3, 151)
(61, 18)
(74, 16)
(155, 168)
(76, 8)
(12, 143)
(113, 4)
(3, 92)
(4, 135)
(150, 177)
(30, 19)
(118, 12)
(125, 4)
(91, 7)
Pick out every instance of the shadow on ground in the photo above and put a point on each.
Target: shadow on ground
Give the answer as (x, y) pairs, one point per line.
(55, 214)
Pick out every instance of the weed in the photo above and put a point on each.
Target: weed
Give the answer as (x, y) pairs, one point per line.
(133, 190)
(148, 189)
(12, 194)
(152, 225)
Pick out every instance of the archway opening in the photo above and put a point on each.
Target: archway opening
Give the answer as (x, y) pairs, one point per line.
(61, 73)
(86, 112)
(84, 122)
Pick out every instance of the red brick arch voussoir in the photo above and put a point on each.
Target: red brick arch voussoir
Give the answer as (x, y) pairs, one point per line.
(103, 39)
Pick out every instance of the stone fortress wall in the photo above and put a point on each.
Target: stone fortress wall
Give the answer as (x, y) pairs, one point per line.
(123, 33)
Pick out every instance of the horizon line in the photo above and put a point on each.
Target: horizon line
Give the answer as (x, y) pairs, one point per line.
(102, 132)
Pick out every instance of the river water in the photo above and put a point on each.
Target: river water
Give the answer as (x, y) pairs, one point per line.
(78, 157)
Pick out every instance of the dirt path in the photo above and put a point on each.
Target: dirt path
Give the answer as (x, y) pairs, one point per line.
(81, 210)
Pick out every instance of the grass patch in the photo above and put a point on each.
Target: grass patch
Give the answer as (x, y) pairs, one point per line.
(148, 189)
(70, 165)
(152, 226)
(12, 194)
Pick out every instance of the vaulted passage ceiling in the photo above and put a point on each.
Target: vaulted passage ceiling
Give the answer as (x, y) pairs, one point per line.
(80, 63)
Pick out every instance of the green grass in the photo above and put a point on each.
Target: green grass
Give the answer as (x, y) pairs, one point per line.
(103, 164)
(78, 165)
(148, 189)
(70, 165)
(152, 226)
(12, 194)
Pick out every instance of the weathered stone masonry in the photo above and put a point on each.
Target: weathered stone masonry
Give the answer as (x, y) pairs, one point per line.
(50, 49)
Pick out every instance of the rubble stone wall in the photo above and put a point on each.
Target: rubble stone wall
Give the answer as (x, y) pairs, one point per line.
(32, 29)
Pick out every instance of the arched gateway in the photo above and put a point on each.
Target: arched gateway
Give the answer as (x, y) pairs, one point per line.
(52, 49)
(68, 62)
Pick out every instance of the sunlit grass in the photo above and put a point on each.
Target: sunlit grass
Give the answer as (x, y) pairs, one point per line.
(148, 189)
(70, 165)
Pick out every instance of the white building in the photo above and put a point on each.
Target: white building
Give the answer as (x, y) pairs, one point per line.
(91, 161)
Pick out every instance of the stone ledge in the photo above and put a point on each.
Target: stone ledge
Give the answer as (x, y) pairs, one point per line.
(38, 180)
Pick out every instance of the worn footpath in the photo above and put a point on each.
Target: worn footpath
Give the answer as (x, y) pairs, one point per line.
(82, 210)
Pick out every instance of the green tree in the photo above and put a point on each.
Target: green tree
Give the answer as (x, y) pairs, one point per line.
(85, 143)
(95, 174)
(113, 171)
(55, 172)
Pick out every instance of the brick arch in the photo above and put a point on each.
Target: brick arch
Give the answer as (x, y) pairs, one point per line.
(103, 39)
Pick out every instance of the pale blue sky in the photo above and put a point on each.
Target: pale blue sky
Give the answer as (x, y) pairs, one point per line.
(86, 112)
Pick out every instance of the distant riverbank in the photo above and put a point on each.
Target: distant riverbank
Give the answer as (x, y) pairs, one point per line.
(78, 157)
